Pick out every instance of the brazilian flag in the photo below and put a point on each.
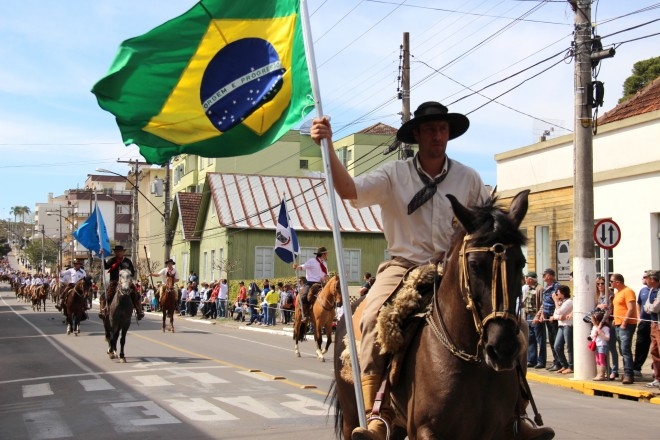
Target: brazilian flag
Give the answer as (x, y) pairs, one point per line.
(226, 78)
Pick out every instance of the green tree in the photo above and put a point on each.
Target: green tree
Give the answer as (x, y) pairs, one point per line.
(33, 253)
(643, 73)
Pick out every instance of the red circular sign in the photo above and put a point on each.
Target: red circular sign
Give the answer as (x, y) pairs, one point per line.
(607, 234)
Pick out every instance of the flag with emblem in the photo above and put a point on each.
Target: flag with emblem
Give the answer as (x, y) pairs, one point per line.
(227, 78)
(93, 234)
(286, 241)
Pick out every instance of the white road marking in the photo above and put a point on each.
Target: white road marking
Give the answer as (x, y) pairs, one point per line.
(207, 378)
(251, 375)
(123, 416)
(37, 390)
(250, 404)
(96, 385)
(307, 406)
(151, 362)
(152, 381)
(200, 410)
(43, 425)
(312, 374)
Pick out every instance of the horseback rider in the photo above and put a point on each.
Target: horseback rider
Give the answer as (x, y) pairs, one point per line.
(316, 271)
(70, 277)
(114, 265)
(168, 274)
(418, 225)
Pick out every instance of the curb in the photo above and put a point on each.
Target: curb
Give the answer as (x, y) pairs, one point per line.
(592, 388)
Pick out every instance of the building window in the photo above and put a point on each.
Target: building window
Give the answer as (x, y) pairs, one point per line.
(221, 257)
(542, 246)
(213, 277)
(123, 228)
(352, 262)
(263, 262)
(122, 209)
(306, 253)
(205, 267)
(304, 164)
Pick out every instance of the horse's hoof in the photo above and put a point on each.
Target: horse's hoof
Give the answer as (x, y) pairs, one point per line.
(321, 359)
(68, 332)
(324, 351)
(122, 360)
(111, 355)
(163, 329)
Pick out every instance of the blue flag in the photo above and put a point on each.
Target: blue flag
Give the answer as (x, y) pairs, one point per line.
(286, 242)
(93, 234)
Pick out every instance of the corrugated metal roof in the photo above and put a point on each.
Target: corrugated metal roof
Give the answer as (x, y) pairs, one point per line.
(253, 201)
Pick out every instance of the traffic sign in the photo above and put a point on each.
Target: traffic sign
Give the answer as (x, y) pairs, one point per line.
(607, 234)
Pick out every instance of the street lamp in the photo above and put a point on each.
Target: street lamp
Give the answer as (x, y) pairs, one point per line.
(165, 215)
(59, 214)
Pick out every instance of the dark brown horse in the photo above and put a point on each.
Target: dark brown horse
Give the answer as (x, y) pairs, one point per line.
(458, 376)
(168, 300)
(118, 319)
(322, 314)
(76, 302)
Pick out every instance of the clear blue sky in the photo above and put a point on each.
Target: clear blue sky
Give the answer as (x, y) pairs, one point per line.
(52, 132)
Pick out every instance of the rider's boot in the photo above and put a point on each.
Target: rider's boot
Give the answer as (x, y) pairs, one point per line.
(528, 430)
(377, 427)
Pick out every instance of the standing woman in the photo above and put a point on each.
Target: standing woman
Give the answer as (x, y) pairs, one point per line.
(563, 314)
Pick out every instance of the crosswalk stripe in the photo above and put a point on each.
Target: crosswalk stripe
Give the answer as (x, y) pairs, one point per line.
(96, 385)
(152, 381)
(36, 390)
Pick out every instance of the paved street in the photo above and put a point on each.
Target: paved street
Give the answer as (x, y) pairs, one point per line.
(206, 381)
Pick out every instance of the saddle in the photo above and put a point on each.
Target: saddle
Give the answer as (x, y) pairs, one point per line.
(400, 317)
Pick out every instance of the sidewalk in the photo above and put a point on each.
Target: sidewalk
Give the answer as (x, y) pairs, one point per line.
(637, 391)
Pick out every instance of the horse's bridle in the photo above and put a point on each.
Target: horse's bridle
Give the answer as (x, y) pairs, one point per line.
(498, 272)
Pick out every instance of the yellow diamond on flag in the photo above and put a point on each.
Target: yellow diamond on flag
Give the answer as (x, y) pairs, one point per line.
(218, 90)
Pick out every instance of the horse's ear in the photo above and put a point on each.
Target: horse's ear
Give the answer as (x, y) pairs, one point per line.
(463, 215)
(519, 206)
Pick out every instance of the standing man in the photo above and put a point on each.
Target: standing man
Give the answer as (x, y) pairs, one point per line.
(643, 339)
(418, 226)
(113, 266)
(653, 281)
(532, 310)
(316, 271)
(551, 326)
(625, 323)
(223, 296)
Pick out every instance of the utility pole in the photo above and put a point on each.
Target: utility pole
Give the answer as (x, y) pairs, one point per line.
(135, 223)
(169, 237)
(405, 91)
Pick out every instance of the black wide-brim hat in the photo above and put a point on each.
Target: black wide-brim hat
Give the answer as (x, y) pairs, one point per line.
(433, 111)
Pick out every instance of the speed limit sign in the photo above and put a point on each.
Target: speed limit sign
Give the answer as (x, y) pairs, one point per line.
(607, 234)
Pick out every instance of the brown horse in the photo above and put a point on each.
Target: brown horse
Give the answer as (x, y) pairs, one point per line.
(168, 300)
(322, 315)
(39, 296)
(458, 378)
(76, 301)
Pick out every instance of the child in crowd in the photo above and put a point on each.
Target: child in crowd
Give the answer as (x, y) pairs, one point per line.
(601, 334)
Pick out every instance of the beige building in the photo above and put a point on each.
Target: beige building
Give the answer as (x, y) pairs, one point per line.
(626, 175)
